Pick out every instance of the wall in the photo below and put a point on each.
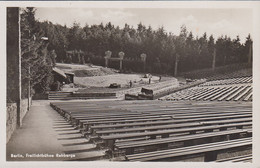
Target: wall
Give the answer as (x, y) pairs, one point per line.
(11, 120)
(24, 108)
(11, 117)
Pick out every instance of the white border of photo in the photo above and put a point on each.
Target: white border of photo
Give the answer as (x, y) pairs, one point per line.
(254, 5)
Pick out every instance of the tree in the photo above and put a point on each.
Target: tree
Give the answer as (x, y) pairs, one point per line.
(76, 37)
(36, 63)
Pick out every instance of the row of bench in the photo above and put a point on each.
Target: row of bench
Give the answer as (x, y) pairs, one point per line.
(226, 72)
(60, 95)
(132, 127)
(210, 150)
(219, 93)
(228, 81)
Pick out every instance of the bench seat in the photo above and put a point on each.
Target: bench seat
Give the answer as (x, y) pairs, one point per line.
(153, 142)
(154, 123)
(243, 158)
(109, 140)
(191, 150)
(170, 126)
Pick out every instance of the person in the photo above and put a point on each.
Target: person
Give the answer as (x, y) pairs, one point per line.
(150, 80)
(160, 78)
(131, 84)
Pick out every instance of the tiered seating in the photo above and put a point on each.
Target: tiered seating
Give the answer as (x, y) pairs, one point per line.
(219, 93)
(59, 95)
(235, 89)
(228, 81)
(223, 72)
(163, 130)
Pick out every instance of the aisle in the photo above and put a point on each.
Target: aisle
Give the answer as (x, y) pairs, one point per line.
(46, 136)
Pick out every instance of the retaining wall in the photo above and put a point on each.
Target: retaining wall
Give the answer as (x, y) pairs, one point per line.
(11, 120)
(11, 116)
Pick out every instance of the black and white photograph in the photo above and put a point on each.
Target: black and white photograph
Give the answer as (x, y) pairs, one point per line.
(130, 82)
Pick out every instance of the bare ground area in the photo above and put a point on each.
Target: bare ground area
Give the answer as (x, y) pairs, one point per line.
(91, 78)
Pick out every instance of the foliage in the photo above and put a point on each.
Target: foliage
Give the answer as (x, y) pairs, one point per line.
(36, 60)
(161, 48)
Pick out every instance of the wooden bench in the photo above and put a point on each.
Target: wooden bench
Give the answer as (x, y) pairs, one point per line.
(210, 150)
(154, 123)
(148, 128)
(243, 158)
(109, 140)
(77, 117)
(157, 143)
(169, 126)
(210, 115)
(87, 124)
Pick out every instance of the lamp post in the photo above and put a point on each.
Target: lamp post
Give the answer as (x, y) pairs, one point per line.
(176, 64)
(143, 59)
(29, 76)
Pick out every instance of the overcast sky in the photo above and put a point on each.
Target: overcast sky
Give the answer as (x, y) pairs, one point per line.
(231, 22)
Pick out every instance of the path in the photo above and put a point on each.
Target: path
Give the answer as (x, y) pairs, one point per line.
(46, 134)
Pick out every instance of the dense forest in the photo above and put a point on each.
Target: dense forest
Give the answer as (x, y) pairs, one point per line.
(162, 48)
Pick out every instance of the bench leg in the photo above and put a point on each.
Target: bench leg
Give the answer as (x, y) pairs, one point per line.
(81, 125)
(153, 137)
(223, 129)
(76, 122)
(210, 156)
(89, 131)
(208, 139)
(223, 138)
(164, 145)
(86, 127)
(209, 130)
(234, 136)
(129, 151)
(165, 136)
(188, 143)
(110, 144)
(192, 132)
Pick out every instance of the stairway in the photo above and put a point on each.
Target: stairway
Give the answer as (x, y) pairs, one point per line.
(58, 95)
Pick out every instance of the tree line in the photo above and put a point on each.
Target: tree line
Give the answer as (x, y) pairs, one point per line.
(161, 48)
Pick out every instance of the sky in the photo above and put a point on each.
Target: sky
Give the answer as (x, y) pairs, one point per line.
(230, 22)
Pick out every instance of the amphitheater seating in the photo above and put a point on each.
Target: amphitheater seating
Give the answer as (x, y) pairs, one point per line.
(236, 89)
(224, 72)
(156, 130)
(229, 81)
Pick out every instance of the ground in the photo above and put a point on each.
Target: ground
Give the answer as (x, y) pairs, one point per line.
(95, 78)
(43, 132)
